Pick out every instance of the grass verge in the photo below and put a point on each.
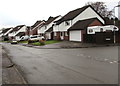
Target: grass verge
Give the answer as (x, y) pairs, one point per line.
(23, 41)
(46, 42)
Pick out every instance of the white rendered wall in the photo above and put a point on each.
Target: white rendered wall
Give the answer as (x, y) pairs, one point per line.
(97, 28)
(41, 30)
(87, 14)
(62, 27)
(12, 34)
(48, 35)
(23, 29)
(119, 11)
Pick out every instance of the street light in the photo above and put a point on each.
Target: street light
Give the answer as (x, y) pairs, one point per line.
(114, 24)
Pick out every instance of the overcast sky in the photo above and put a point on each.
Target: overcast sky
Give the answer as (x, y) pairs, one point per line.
(17, 12)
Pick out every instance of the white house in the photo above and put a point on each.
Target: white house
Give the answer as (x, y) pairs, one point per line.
(119, 11)
(4, 33)
(35, 28)
(20, 28)
(63, 24)
(44, 30)
(21, 32)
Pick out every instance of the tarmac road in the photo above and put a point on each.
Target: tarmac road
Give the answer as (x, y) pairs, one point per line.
(66, 66)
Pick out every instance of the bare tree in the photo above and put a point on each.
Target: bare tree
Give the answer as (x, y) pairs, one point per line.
(101, 8)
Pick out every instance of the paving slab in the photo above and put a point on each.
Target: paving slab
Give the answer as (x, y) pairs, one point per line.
(10, 74)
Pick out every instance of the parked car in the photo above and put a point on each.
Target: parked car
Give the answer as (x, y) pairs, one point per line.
(35, 38)
(23, 38)
(14, 41)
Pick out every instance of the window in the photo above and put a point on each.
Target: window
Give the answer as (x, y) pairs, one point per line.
(45, 27)
(54, 25)
(67, 23)
(90, 30)
(33, 37)
(61, 33)
(101, 29)
(66, 33)
(55, 33)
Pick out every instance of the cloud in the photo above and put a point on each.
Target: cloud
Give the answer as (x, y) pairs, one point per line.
(14, 12)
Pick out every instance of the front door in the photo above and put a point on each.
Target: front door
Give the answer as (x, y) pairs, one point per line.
(61, 35)
(52, 35)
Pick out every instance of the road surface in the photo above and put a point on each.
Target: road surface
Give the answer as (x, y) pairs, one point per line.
(66, 66)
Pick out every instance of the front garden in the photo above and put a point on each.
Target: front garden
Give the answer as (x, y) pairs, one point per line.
(45, 42)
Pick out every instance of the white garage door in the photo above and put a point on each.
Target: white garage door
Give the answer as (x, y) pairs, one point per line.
(75, 36)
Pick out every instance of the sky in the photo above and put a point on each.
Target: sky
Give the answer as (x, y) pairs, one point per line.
(27, 12)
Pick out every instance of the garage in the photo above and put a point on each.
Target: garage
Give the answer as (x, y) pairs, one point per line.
(75, 35)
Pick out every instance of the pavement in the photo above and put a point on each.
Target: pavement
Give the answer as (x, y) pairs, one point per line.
(0, 65)
(10, 73)
(68, 44)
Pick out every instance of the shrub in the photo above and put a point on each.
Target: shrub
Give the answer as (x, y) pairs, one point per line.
(42, 42)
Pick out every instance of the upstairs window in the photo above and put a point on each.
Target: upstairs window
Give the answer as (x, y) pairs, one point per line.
(54, 25)
(67, 23)
(45, 27)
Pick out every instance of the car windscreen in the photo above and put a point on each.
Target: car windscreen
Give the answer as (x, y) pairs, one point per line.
(33, 37)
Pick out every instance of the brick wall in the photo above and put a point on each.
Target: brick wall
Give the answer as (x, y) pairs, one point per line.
(66, 37)
(34, 32)
(82, 34)
(57, 37)
(96, 23)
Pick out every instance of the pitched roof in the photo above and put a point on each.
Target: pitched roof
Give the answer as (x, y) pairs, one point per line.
(82, 24)
(21, 34)
(50, 29)
(5, 30)
(72, 14)
(36, 23)
(50, 19)
(17, 28)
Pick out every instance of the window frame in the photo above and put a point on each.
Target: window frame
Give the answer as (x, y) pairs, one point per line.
(90, 30)
(55, 33)
(66, 33)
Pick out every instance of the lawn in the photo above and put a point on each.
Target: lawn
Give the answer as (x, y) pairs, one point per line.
(46, 42)
(4, 41)
(23, 41)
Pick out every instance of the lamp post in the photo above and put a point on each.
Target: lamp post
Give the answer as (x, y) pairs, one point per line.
(114, 24)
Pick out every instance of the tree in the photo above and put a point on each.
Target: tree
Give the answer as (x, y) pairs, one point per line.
(101, 8)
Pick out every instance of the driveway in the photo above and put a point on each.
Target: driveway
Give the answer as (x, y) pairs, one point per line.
(66, 66)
